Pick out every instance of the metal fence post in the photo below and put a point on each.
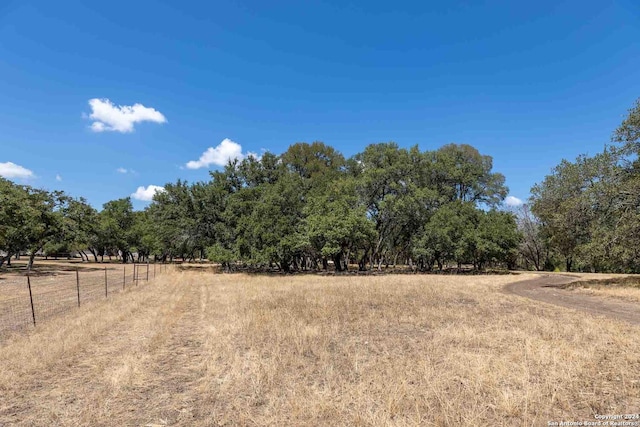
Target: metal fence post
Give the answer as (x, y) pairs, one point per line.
(106, 289)
(33, 312)
(78, 285)
(147, 270)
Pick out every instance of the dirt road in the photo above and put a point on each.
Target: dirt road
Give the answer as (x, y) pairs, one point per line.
(547, 288)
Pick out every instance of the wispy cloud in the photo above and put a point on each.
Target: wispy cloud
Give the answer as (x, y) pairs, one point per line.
(58, 178)
(513, 201)
(11, 170)
(120, 118)
(218, 156)
(126, 171)
(146, 194)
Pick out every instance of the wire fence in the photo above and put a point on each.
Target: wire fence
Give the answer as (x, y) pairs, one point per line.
(40, 297)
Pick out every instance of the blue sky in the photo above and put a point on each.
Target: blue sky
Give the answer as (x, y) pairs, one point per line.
(528, 83)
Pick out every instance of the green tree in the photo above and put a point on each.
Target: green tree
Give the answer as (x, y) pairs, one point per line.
(578, 206)
(79, 225)
(462, 173)
(336, 226)
(15, 213)
(117, 222)
(498, 239)
(628, 133)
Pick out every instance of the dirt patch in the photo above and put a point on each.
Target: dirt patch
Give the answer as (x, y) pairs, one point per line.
(556, 289)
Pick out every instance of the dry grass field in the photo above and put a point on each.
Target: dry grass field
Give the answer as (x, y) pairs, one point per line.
(212, 349)
(626, 288)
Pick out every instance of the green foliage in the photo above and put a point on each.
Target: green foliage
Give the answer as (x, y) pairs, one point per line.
(117, 222)
(336, 224)
(305, 209)
(217, 253)
(628, 133)
(31, 219)
(460, 232)
(588, 209)
(311, 207)
(464, 174)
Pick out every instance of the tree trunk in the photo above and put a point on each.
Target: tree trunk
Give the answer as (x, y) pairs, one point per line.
(6, 259)
(362, 265)
(346, 260)
(568, 263)
(32, 257)
(337, 261)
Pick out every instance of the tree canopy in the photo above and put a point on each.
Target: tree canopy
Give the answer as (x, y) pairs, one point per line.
(589, 209)
(311, 208)
(308, 208)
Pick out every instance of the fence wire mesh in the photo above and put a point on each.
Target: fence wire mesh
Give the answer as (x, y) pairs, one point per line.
(26, 301)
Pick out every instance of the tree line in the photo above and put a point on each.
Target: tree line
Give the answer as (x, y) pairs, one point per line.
(38, 221)
(585, 215)
(311, 208)
(308, 208)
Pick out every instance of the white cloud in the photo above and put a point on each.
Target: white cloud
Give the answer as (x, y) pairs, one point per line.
(120, 118)
(513, 201)
(11, 170)
(58, 178)
(146, 194)
(126, 171)
(218, 156)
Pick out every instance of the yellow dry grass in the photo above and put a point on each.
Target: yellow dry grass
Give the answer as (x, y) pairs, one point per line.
(615, 286)
(202, 349)
(622, 293)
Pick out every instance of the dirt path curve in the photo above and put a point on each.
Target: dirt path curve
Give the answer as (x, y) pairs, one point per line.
(546, 288)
